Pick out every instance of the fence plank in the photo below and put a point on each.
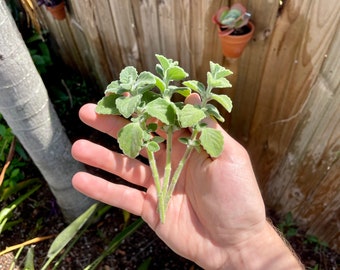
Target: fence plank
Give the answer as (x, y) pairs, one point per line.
(148, 31)
(303, 148)
(247, 83)
(82, 12)
(294, 61)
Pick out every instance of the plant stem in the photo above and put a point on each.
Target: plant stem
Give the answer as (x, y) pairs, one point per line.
(180, 166)
(177, 173)
(155, 174)
(167, 169)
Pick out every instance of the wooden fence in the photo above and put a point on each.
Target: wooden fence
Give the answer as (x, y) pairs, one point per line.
(285, 85)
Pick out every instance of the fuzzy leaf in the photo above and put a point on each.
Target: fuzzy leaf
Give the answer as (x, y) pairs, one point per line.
(158, 139)
(107, 105)
(160, 84)
(145, 82)
(146, 77)
(189, 116)
(159, 70)
(218, 83)
(113, 87)
(163, 110)
(218, 71)
(213, 111)
(128, 105)
(175, 73)
(130, 139)
(183, 91)
(212, 141)
(153, 146)
(152, 127)
(149, 96)
(184, 140)
(165, 62)
(224, 100)
(127, 77)
(195, 85)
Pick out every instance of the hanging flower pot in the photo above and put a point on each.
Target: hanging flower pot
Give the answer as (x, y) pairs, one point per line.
(58, 11)
(55, 7)
(234, 29)
(233, 45)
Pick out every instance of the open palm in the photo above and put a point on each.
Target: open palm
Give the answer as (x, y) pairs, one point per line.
(216, 204)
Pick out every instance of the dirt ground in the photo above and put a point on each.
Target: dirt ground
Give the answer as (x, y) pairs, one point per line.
(41, 217)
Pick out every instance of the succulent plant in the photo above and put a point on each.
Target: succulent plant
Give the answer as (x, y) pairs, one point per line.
(231, 19)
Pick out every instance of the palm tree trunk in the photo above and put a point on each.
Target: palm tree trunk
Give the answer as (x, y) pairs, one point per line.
(25, 105)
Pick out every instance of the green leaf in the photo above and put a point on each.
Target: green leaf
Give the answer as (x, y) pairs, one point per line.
(153, 146)
(159, 70)
(183, 91)
(189, 116)
(113, 87)
(158, 139)
(130, 139)
(127, 77)
(175, 74)
(29, 262)
(211, 110)
(146, 77)
(224, 100)
(160, 84)
(165, 62)
(107, 105)
(128, 105)
(218, 71)
(184, 140)
(116, 241)
(191, 143)
(146, 136)
(145, 82)
(152, 127)
(217, 83)
(195, 85)
(163, 110)
(69, 232)
(7, 210)
(212, 141)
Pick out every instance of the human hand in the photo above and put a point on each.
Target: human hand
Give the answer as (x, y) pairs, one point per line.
(215, 210)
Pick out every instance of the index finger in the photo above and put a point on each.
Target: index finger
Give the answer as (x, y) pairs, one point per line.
(109, 124)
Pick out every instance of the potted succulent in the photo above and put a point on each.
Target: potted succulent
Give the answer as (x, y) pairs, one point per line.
(55, 7)
(234, 29)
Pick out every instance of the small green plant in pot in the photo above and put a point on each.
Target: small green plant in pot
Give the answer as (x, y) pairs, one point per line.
(234, 29)
(147, 101)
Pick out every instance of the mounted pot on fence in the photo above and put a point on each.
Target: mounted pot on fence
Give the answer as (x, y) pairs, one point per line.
(55, 7)
(234, 29)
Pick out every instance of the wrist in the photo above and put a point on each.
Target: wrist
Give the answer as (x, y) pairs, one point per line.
(265, 250)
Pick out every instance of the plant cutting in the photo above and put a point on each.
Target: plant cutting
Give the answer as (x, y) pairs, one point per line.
(234, 29)
(147, 101)
(55, 7)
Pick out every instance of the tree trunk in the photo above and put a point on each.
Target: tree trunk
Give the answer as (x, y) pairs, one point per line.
(25, 105)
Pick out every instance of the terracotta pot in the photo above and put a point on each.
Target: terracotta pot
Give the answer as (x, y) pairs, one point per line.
(58, 11)
(233, 45)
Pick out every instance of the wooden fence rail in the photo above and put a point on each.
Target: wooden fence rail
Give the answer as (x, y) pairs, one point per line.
(285, 85)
